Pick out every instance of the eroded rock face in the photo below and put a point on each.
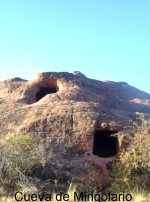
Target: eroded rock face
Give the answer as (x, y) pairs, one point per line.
(65, 110)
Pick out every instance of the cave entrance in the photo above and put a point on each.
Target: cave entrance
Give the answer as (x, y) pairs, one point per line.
(44, 91)
(105, 145)
(45, 88)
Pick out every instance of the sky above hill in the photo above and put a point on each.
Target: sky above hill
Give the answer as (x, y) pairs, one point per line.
(104, 39)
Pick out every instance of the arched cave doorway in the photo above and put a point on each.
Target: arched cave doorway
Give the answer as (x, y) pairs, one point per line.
(105, 145)
(46, 88)
(44, 91)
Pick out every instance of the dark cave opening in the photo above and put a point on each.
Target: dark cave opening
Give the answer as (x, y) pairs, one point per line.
(44, 91)
(105, 145)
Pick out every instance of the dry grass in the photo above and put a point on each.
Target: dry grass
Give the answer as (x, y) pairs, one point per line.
(138, 196)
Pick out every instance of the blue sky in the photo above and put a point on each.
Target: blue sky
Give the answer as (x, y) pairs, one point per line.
(104, 39)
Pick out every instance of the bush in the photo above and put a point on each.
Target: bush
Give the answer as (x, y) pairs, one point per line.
(132, 168)
(18, 154)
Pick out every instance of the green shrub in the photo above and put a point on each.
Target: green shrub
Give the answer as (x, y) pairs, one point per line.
(132, 168)
(18, 154)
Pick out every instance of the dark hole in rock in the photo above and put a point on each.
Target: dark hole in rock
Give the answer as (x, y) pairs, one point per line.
(105, 145)
(44, 91)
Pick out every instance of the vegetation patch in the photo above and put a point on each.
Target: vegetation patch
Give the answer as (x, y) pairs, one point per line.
(18, 154)
(132, 169)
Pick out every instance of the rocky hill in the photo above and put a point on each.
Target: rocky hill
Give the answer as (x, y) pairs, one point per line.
(66, 110)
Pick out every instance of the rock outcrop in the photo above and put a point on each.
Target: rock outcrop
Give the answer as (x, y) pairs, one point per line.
(65, 110)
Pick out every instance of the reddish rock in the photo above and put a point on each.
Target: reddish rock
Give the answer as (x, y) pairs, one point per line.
(65, 110)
